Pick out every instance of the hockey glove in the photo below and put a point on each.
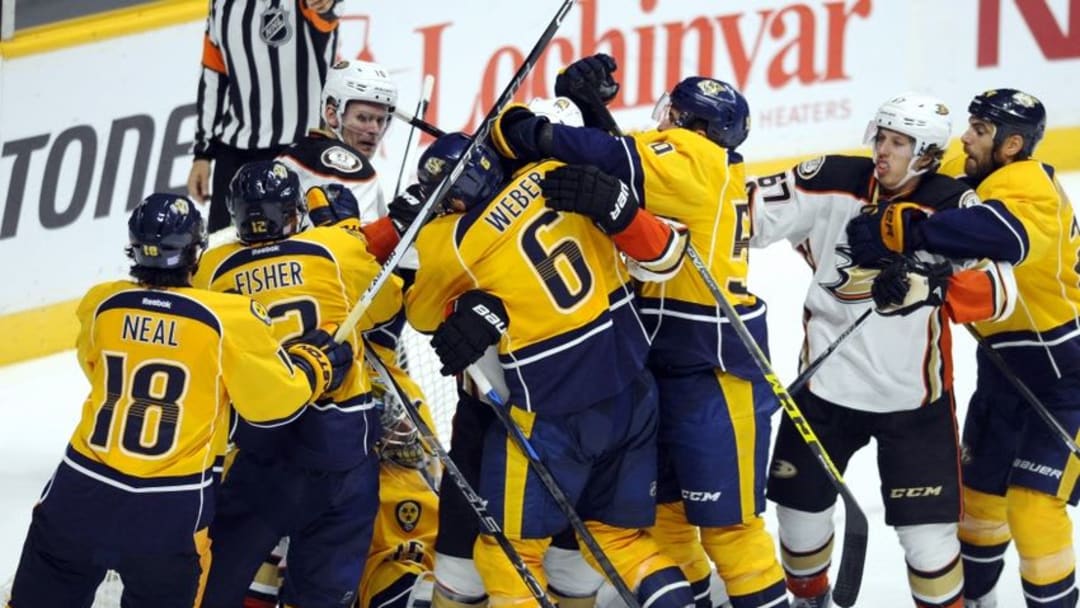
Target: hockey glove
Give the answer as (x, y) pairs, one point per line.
(881, 231)
(588, 82)
(330, 204)
(478, 321)
(521, 135)
(405, 208)
(906, 284)
(325, 361)
(589, 191)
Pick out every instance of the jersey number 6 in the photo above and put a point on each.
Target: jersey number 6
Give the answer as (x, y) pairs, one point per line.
(552, 264)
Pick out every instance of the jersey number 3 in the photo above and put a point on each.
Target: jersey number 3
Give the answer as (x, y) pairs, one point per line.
(151, 423)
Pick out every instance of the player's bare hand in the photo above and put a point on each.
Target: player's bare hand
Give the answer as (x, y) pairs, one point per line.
(320, 6)
(198, 181)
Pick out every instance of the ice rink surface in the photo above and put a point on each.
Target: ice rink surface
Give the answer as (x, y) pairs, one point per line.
(40, 402)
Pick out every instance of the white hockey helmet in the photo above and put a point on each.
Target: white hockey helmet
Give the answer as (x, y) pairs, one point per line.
(358, 81)
(559, 110)
(923, 118)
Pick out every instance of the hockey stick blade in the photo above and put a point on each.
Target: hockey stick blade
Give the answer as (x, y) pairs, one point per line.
(849, 575)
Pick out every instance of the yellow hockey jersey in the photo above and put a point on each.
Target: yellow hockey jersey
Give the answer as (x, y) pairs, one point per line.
(574, 336)
(163, 366)
(687, 178)
(1041, 338)
(307, 281)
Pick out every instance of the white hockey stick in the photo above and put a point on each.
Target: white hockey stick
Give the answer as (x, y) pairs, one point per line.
(421, 110)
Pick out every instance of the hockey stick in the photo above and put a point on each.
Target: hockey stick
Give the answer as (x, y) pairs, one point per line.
(498, 405)
(452, 176)
(478, 504)
(421, 109)
(1025, 392)
(804, 376)
(419, 123)
(856, 528)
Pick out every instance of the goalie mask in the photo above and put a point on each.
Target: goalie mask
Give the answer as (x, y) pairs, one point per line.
(711, 105)
(924, 119)
(167, 232)
(265, 202)
(479, 181)
(1012, 112)
(361, 81)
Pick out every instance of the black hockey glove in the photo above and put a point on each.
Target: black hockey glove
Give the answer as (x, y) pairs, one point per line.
(329, 204)
(907, 284)
(325, 361)
(521, 135)
(589, 191)
(478, 321)
(589, 83)
(881, 231)
(405, 208)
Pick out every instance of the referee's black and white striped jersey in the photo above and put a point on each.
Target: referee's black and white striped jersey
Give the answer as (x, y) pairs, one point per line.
(264, 63)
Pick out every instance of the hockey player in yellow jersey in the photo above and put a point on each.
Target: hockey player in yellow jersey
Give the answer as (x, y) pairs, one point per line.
(315, 480)
(402, 552)
(136, 488)
(573, 358)
(715, 407)
(1018, 475)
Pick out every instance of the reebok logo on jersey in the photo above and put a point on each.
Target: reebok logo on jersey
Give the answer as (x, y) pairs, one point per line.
(1038, 469)
(783, 469)
(156, 303)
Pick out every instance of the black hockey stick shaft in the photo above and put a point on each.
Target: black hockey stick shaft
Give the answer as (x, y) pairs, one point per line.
(856, 527)
(419, 123)
(804, 376)
(502, 412)
(421, 109)
(478, 504)
(452, 176)
(1025, 392)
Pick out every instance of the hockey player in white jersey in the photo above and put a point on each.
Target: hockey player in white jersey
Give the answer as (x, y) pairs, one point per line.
(892, 381)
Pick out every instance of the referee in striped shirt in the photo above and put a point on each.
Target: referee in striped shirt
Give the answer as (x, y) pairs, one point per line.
(264, 64)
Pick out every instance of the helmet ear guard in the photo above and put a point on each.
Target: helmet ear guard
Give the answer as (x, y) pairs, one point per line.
(265, 202)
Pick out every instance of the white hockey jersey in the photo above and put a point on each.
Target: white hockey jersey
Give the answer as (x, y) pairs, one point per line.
(320, 159)
(892, 363)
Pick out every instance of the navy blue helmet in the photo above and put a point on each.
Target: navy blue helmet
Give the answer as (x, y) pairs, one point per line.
(1013, 112)
(166, 231)
(717, 104)
(265, 201)
(481, 178)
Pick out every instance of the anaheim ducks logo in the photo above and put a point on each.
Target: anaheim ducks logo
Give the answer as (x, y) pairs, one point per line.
(854, 282)
(407, 513)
